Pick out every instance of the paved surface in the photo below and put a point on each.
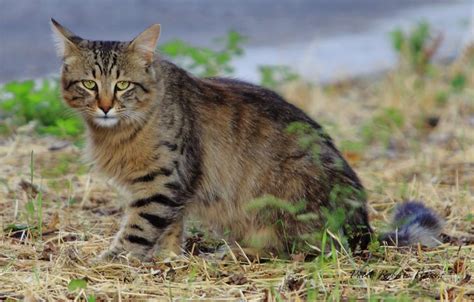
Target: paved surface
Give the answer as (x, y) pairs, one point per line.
(26, 48)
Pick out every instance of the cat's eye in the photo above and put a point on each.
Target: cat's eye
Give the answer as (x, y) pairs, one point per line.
(122, 85)
(89, 84)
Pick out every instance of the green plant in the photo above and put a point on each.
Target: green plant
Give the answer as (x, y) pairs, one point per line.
(458, 83)
(204, 61)
(27, 101)
(470, 217)
(77, 284)
(417, 47)
(272, 76)
(441, 97)
(34, 207)
(309, 139)
(33, 210)
(382, 125)
(80, 286)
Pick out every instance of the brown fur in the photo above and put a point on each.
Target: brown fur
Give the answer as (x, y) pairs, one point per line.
(205, 147)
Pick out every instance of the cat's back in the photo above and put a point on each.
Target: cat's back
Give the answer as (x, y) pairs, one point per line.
(223, 98)
(264, 102)
(255, 122)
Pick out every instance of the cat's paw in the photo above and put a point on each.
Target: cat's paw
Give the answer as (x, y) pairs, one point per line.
(110, 255)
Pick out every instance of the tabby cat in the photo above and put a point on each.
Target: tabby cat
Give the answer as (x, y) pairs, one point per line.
(211, 148)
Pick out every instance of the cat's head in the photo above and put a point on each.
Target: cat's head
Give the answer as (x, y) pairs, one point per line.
(110, 83)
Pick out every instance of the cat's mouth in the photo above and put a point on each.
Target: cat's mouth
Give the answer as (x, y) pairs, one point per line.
(106, 121)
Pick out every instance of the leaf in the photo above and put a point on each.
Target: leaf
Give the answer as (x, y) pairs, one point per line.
(30, 208)
(91, 298)
(397, 39)
(14, 227)
(76, 284)
(469, 217)
(458, 82)
(19, 88)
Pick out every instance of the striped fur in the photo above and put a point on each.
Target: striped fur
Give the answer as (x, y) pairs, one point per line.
(413, 223)
(205, 147)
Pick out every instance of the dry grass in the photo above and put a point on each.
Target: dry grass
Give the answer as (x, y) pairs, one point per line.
(435, 163)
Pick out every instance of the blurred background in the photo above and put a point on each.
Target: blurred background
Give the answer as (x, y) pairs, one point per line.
(321, 40)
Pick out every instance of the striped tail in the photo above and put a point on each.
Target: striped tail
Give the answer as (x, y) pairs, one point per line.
(413, 224)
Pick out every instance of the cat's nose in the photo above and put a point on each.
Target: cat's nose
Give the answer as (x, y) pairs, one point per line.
(105, 108)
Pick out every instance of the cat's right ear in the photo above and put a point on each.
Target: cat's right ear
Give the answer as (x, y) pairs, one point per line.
(145, 43)
(66, 40)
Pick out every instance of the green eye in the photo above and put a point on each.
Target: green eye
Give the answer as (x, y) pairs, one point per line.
(122, 85)
(89, 84)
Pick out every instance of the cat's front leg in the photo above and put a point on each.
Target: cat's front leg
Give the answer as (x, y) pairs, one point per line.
(149, 223)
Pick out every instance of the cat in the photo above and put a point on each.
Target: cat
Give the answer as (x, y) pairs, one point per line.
(234, 154)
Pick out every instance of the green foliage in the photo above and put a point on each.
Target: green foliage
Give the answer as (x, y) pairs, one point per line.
(15, 227)
(27, 101)
(416, 48)
(470, 217)
(269, 208)
(204, 61)
(441, 97)
(375, 247)
(458, 83)
(262, 204)
(272, 76)
(91, 298)
(309, 139)
(77, 284)
(32, 212)
(70, 127)
(343, 200)
(34, 207)
(64, 164)
(382, 125)
(352, 146)
(80, 285)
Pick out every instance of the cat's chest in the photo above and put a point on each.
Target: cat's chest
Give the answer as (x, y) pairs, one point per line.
(123, 161)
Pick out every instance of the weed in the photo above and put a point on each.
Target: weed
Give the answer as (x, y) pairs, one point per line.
(77, 284)
(62, 165)
(441, 97)
(273, 76)
(308, 138)
(382, 125)
(459, 82)
(27, 101)
(204, 61)
(416, 48)
(469, 217)
(34, 207)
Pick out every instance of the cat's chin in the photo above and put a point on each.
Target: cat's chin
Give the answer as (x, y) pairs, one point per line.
(107, 122)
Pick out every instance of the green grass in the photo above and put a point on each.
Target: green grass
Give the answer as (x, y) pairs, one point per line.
(28, 101)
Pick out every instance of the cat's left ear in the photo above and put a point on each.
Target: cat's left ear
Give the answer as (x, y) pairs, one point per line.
(66, 40)
(145, 43)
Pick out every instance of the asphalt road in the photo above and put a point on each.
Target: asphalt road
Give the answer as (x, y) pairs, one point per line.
(26, 48)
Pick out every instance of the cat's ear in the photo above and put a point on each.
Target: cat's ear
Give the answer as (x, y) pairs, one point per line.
(66, 40)
(145, 43)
